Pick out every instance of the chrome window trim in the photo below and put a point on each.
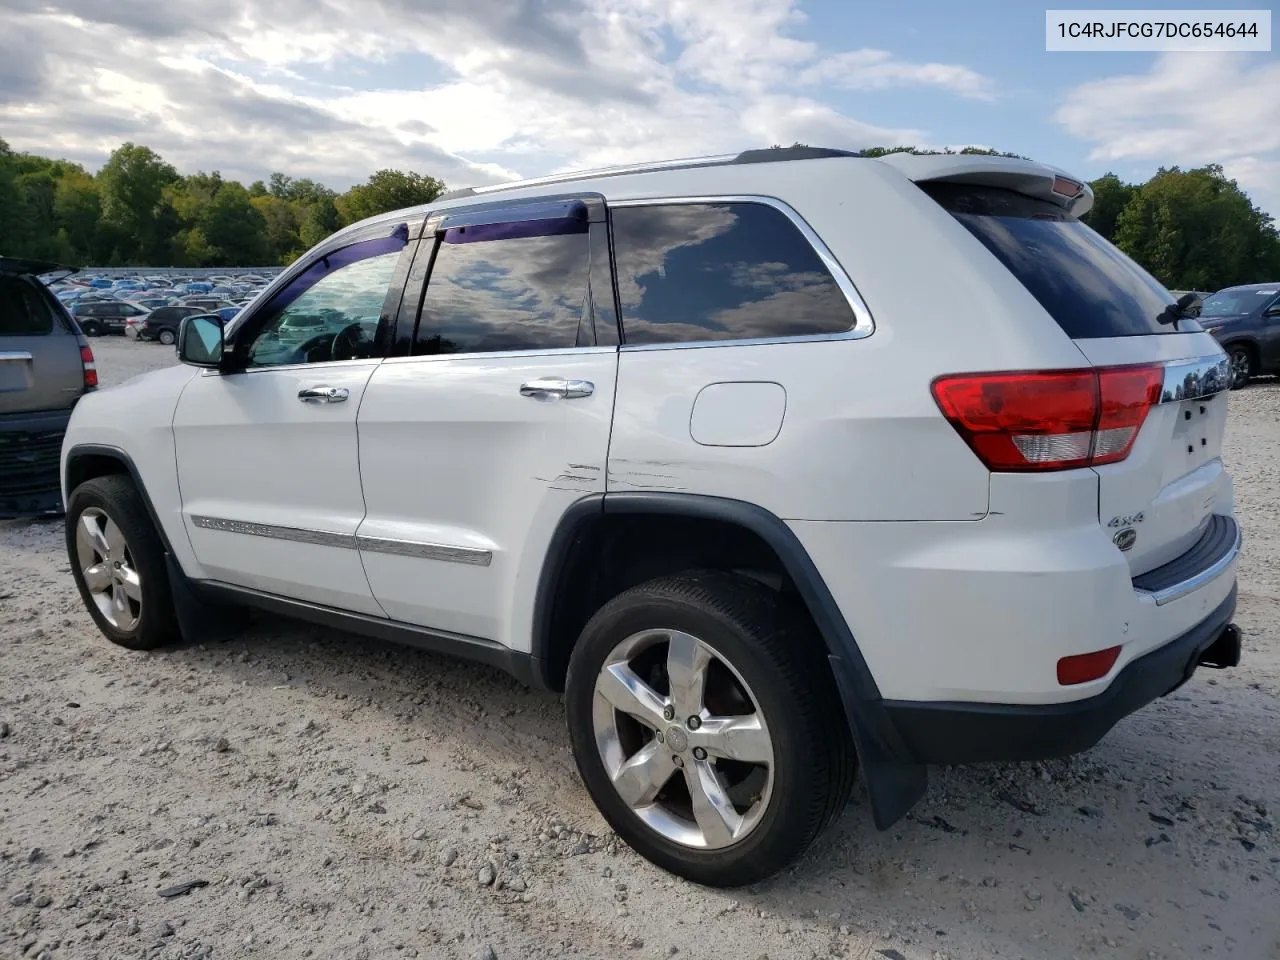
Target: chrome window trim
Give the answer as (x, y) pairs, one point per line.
(1195, 379)
(1206, 576)
(864, 324)
(425, 551)
(289, 367)
(502, 354)
(413, 549)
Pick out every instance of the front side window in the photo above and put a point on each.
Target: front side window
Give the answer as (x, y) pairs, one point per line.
(332, 312)
(522, 285)
(690, 272)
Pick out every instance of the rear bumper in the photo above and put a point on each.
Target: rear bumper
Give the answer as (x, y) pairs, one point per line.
(30, 454)
(975, 732)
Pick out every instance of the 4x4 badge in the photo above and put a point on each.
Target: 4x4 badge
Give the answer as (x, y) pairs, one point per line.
(1125, 539)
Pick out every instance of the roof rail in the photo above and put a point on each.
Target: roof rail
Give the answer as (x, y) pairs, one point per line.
(765, 155)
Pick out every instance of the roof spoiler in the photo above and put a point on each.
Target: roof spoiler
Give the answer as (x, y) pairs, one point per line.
(1027, 177)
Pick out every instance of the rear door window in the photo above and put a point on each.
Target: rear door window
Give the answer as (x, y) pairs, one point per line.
(1089, 287)
(23, 312)
(690, 272)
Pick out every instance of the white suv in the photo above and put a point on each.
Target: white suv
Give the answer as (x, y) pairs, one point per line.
(775, 464)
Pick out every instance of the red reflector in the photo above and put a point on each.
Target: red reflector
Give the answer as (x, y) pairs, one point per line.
(90, 368)
(1051, 420)
(1087, 666)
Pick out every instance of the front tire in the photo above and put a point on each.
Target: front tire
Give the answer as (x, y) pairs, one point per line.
(91, 329)
(706, 726)
(1243, 369)
(118, 563)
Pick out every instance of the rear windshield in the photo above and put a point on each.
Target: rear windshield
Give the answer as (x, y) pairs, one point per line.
(1085, 283)
(23, 312)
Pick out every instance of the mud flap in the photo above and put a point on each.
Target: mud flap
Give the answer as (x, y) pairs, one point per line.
(895, 784)
(198, 620)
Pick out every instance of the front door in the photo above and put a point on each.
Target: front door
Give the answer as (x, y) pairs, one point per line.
(267, 457)
(474, 445)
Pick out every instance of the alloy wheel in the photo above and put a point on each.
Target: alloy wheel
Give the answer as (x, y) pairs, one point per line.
(682, 739)
(107, 565)
(1239, 368)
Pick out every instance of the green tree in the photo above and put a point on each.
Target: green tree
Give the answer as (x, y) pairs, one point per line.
(1110, 196)
(283, 243)
(1196, 230)
(77, 207)
(233, 228)
(387, 190)
(132, 183)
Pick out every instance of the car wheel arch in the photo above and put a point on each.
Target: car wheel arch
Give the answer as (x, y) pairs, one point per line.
(894, 781)
(85, 461)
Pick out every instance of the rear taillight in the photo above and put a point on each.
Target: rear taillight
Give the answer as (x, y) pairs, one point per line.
(1050, 420)
(90, 368)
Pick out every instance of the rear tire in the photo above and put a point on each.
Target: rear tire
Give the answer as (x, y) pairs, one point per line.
(765, 672)
(167, 337)
(1243, 367)
(118, 562)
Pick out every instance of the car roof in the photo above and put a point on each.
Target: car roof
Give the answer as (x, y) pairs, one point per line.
(1245, 287)
(639, 180)
(20, 266)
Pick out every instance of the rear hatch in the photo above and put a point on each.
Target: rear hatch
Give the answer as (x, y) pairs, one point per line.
(1167, 486)
(40, 363)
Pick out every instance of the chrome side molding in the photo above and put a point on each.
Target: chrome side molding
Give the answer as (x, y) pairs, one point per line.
(1195, 379)
(344, 541)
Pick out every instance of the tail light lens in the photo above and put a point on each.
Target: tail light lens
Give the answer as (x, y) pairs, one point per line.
(90, 367)
(1087, 666)
(1051, 420)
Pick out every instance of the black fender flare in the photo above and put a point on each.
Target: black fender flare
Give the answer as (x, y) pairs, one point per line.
(81, 450)
(895, 781)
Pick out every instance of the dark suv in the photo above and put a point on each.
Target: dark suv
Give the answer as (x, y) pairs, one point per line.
(162, 323)
(1246, 321)
(45, 367)
(104, 316)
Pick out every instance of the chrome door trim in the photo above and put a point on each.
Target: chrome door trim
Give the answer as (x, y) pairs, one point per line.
(425, 551)
(1210, 573)
(17, 355)
(319, 538)
(1195, 379)
(414, 549)
(864, 324)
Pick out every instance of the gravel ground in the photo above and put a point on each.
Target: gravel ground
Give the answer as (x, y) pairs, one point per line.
(338, 797)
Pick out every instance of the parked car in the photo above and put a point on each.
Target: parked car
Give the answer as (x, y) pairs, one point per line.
(695, 444)
(207, 304)
(162, 323)
(1246, 321)
(152, 303)
(97, 317)
(46, 366)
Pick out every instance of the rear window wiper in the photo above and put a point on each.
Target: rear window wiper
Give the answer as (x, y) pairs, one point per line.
(1176, 311)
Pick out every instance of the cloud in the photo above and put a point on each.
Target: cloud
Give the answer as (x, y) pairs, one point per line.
(1188, 109)
(510, 86)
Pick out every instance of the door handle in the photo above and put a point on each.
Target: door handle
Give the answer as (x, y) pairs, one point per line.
(555, 388)
(323, 394)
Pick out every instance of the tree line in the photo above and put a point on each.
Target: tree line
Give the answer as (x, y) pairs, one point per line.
(139, 211)
(1193, 229)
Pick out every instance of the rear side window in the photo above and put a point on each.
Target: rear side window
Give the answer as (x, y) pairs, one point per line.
(690, 272)
(516, 286)
(1084, 282)
(23, 312)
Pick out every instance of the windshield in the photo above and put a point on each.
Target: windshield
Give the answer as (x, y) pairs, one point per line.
(1231, 302)
(1084, 282)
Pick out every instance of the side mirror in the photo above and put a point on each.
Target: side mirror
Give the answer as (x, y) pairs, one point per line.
(200, 341)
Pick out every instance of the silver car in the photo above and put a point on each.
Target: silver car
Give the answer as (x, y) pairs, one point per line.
(45, 367)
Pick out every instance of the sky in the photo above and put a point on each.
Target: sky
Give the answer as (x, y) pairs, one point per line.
(478, 91)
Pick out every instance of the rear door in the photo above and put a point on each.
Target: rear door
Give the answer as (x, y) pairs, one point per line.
(40, 365)
(1114, 311)
(474, 444)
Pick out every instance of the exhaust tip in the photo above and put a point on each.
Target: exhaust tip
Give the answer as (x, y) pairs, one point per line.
(1224, 652)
